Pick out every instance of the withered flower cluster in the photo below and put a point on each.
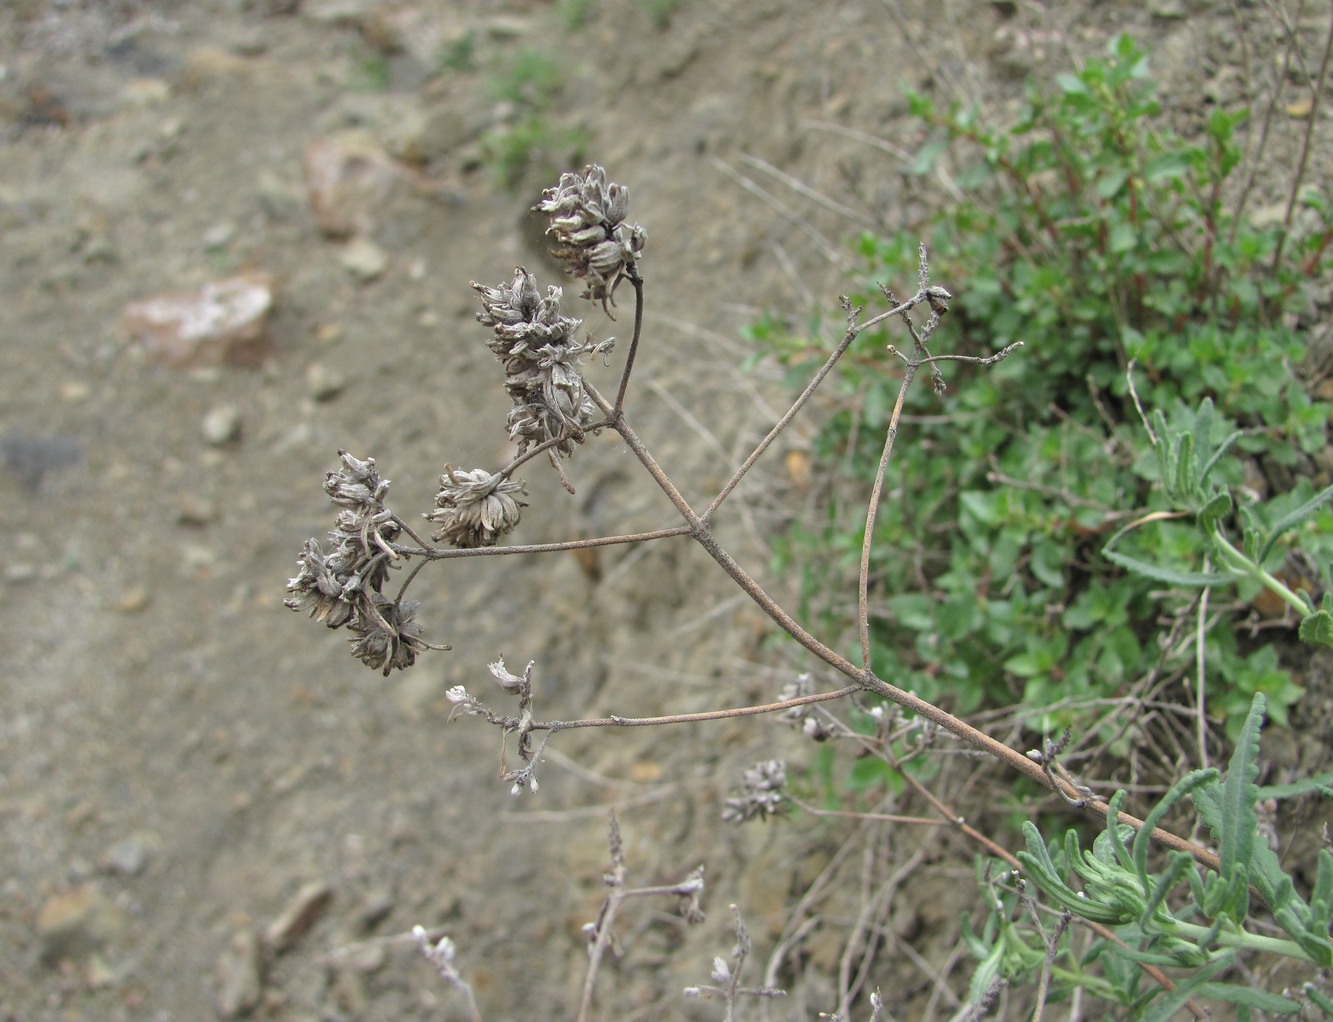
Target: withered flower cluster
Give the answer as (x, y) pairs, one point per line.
(475, 508)
(536, 346)
(760, 795)
(591, 238)
(552, 409)
(343, 587)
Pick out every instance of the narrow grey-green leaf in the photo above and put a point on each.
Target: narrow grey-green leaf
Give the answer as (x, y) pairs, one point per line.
(1192, 579)
(1293, 518)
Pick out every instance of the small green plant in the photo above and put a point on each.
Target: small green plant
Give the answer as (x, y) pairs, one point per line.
(530, 79)
(372, 73)
(460, 54)
(1053, 555)
(576, 14)
(529, 143)
(660, 11)
(531, 140)
(1182, 923)
(1098, 236)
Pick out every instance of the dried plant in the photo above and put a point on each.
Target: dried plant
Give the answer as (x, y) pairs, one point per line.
(554, 408)
(600, 933)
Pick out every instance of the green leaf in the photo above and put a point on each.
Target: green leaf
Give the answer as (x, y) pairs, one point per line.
(1317, 629)
(1239, 824)
(1165, 1006)
(1186, 466)
(1293, 518)
(1187, 785)
(1071, 85)
(1321, 783)
(1214, 511)
(987, 969)
(1321, 1001)
(1167, 166)
(1122, 238)
(1250, 997)
(1111, 182)
(1222, 449)
(1321, 898)
(1040, 869)
(1192, 579)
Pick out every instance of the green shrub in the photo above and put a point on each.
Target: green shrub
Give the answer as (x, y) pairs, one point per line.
(1099, 236)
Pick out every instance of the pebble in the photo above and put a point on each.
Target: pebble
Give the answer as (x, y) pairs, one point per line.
(376, 907)
(349, 178)
(363, 259)
(77, 923)
(30, 458)
(134, 600)
(222, 425)
(305, 907)
(324, 383)
(195, 510)
(426, 135)
(337, 11)
(240, 975)
(224, 322)
(130, 856)
(219, 236)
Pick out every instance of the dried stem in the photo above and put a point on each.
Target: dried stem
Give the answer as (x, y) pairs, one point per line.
(555, 410)
(699, 528)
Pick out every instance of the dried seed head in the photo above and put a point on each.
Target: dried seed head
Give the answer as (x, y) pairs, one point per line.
(386, 636)
(343, 587)
(361, 551)
(318, 589)
(536, 346)
(357, 484)
(587, 221)
(512, 683)
(475, 508)
(804, 718)
(760, 795)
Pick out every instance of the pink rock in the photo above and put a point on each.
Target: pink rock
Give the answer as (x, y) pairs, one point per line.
(350, 178)
(222, 323)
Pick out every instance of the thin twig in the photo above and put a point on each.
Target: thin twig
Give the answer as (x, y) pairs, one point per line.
(1307, 143)
(801, 188)
(1200, 676)
(830, 251)
(636, 282)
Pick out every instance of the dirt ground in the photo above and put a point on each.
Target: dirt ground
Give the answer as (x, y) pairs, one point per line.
(182, 760)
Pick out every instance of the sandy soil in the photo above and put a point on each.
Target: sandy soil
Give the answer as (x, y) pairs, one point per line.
(182, 757)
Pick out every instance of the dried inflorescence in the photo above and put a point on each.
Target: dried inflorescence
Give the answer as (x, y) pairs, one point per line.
(387, 637)
(475, 508)
(760, 795)
(805, 718)
(553, 409)
(587, 221)
(536, 346)
(343, 587)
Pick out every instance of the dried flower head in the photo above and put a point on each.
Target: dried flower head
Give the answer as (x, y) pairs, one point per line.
(357, 484)
(475, 508)
(387, 637)
(361, 552)
(805, 718)
(344, 587)
(512, 683)
(318, 589)
(760, 795)
(587, 220)
(536, 346)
